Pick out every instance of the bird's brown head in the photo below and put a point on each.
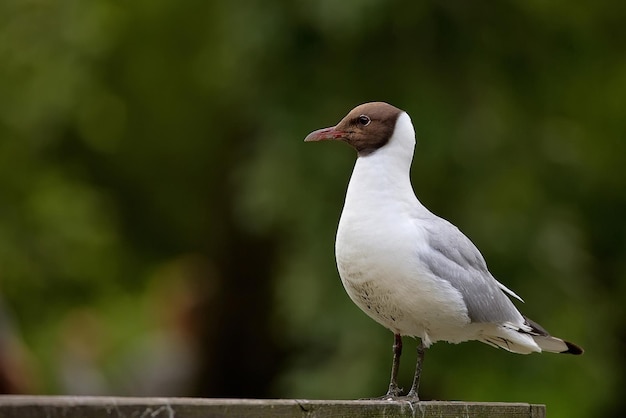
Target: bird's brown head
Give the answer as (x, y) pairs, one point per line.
(366, 128)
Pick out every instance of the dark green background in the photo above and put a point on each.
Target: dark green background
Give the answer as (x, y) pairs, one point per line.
(159, 210)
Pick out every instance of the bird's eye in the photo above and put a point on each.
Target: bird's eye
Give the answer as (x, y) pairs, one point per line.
(364, 120)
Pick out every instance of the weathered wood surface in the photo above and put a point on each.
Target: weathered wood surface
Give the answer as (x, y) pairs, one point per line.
(100, 407)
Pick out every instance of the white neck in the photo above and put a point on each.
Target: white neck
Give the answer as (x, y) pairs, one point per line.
(384, 175)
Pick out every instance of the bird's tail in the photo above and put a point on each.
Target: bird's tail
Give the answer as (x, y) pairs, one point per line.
(528, 338)
(549, 343)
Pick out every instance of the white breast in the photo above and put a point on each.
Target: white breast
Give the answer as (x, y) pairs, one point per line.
(378, 239)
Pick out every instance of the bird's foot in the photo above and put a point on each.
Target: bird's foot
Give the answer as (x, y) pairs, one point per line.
(412, 396)
(394, 393)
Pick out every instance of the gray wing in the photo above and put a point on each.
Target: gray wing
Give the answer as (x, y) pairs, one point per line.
(451, 256)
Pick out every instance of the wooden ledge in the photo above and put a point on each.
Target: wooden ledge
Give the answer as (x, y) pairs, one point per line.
(100, 407)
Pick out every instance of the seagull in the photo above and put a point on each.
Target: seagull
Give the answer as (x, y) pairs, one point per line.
(411, 271)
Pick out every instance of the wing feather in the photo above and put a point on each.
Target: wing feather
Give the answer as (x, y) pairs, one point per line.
(451, 256)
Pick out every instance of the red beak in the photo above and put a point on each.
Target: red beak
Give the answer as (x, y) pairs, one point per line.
(325, 134)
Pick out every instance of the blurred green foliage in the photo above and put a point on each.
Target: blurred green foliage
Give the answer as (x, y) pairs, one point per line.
(158, 209)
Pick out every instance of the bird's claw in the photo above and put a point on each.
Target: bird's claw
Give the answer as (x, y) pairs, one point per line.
(394, 393)
(412, 396)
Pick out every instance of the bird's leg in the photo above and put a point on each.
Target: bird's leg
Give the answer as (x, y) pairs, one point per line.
(413, 393)
(394, 389)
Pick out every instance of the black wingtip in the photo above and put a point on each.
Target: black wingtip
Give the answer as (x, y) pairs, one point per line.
(573, 349)
(539, 330)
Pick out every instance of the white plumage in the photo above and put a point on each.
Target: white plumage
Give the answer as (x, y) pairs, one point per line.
(409, 270)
